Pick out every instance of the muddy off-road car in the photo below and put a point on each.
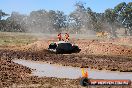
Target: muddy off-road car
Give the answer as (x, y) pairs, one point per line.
(63, 47)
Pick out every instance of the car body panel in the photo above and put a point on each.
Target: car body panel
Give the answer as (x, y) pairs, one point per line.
(63, 47)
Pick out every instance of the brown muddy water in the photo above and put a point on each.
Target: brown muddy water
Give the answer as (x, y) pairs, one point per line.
(42, 69)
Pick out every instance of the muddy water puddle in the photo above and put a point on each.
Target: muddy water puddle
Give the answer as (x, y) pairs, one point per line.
(50, 70)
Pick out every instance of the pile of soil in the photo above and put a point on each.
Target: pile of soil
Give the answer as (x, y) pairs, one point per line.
(36, 46)
(108, 49)
(84, 44)
(97, 47)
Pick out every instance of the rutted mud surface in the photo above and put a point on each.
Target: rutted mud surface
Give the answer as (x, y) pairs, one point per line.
(114, 58)
(17, 76)
(111, 61)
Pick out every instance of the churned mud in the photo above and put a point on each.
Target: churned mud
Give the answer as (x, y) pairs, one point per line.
(94, 54)
(13, 75)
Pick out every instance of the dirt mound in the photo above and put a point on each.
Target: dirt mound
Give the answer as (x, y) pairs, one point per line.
(103, 48)
(109, 49)
(84, 44)
(36, 46)
(12, 73)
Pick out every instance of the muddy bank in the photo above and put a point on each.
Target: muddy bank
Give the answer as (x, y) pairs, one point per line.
(17, 76)
(113, 63)
(13, 75)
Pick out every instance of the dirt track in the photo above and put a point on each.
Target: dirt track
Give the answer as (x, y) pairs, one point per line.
(94, 54)
(116, 57)
(113, 63)
(17, 76)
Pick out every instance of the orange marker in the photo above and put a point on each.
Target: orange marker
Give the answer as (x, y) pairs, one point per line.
(84, 74)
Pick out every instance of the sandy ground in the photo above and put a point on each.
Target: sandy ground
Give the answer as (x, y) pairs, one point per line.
(96, 54)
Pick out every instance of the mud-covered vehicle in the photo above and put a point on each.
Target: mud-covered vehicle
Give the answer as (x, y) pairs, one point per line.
(63, 47)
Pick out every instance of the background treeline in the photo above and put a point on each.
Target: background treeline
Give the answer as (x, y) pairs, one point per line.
(80, 20)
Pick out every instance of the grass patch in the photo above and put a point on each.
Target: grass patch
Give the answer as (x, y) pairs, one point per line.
(17, 39)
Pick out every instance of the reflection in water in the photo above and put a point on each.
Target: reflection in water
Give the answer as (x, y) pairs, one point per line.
(50, 70)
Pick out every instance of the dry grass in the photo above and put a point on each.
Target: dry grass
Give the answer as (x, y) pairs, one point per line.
(15, 39)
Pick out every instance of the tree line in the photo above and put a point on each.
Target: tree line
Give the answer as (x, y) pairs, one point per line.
(80, 20)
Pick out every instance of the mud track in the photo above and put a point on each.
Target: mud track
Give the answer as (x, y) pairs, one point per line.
(18, 76)
(13, 75)
(113, 63)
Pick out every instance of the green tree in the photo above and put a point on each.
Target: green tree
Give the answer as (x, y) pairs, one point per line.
(124, 12)
(2, 14)
(60, 21)
(111, 18)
